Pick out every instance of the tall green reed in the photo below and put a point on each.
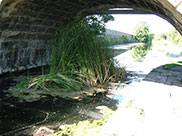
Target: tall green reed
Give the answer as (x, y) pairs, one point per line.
(79, 58)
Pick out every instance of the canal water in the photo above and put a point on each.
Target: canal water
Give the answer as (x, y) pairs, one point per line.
(137, 71)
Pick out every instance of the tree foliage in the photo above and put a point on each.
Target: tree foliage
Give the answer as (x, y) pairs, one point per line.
(175, 37)
(142, 32)
(143, 35)
(97, 22)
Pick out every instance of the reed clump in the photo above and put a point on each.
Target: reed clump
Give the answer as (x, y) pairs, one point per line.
(80, 58)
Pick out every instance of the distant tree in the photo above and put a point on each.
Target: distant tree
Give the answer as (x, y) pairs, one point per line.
(175, 37)
(173, 34)
(142, 32)
(164, 36)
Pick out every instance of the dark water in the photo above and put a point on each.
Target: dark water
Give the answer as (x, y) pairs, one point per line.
(20, 117)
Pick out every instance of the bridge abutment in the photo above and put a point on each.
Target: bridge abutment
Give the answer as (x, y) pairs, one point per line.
(27, 26)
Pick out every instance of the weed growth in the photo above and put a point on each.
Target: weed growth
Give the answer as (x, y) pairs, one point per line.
(172, 65)
(22, 84)
(80, 58)
(85, 128)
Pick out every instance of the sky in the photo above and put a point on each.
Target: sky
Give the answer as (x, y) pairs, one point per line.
(126, 23)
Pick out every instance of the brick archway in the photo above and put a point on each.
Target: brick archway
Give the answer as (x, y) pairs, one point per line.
(26, 26)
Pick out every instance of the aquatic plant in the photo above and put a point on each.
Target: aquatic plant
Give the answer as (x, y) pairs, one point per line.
(79, 58)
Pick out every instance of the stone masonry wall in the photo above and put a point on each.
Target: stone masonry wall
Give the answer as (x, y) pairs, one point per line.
(25, 37)
(27, 26)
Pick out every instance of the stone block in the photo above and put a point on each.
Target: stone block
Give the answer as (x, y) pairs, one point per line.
(4, 26)
(9, 45)
(22, 28)
(1, 55)
(37, 29)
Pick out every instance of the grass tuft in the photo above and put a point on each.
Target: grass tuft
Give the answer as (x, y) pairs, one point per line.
(172, 65)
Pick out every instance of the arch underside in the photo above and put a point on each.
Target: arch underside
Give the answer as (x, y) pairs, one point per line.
(26, 26)
(69, 10)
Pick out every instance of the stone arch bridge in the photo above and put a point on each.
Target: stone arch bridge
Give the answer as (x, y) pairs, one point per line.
(26, 26)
